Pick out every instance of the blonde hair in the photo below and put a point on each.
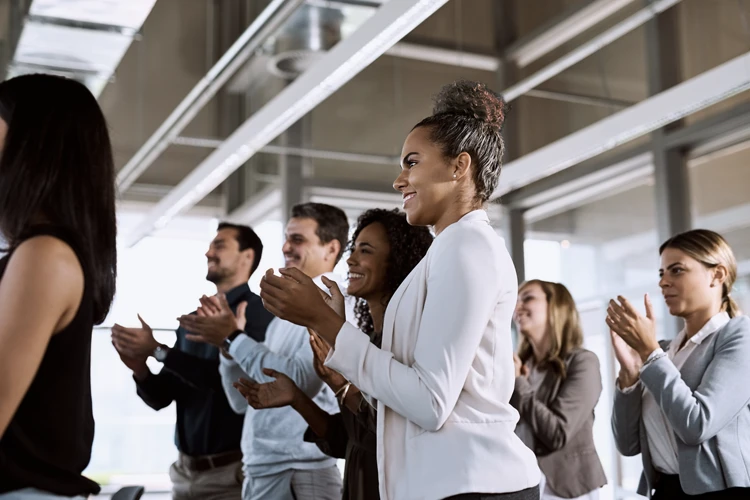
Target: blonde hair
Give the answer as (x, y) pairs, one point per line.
(563, 326)
(711, 250)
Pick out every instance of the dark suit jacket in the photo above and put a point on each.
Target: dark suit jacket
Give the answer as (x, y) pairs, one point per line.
(561, 416)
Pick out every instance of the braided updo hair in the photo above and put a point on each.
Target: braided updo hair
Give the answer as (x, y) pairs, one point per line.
(469, 117)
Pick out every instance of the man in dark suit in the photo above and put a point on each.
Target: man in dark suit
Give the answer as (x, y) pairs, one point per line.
(207, 432)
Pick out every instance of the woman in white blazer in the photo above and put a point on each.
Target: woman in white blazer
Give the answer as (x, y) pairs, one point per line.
(685, 406)
(444, 375)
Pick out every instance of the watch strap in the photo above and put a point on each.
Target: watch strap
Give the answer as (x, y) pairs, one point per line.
(228, 341)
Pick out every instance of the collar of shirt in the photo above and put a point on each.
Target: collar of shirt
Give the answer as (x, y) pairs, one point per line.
(713, 325)
(475, 215)
(236, 294)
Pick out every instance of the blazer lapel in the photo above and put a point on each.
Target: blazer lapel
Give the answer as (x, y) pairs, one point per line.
(389, 320)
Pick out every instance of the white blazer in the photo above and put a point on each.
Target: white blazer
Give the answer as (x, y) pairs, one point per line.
(444, 376)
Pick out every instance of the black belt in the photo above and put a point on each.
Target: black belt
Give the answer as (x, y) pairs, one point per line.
(207, 462)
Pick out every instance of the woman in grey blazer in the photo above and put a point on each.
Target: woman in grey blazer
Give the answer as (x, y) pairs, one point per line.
(687, 410)
(558, 384)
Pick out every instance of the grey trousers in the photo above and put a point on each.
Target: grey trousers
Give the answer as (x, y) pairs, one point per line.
(295, 484)
(221, 483)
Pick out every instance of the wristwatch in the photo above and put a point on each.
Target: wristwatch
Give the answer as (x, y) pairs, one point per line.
(160, 353)
(228, 341)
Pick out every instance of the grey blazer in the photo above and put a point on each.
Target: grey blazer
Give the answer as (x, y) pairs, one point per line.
(707, 404)
(561, 415)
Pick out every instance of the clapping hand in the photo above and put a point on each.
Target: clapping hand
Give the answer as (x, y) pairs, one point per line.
(214, 320)
(134, 343)
(521, 369)
(282, 391)
(294, 297)
(637, 331)
(320, 349)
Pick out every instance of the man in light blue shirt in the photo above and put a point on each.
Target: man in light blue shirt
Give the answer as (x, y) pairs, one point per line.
(277, 462)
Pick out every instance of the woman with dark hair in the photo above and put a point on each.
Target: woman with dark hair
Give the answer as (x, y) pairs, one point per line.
(57, 214)
(558, 384)
(684, 405)
(384, 250)
(444, 375)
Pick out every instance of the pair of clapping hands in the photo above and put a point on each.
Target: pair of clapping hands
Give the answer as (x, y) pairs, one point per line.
(293, 296)
(633, 337)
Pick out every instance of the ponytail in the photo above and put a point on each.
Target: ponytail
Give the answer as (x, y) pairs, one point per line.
(729, 305)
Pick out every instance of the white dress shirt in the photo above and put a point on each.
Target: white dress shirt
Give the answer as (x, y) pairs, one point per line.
(444, 375)
(662, 443)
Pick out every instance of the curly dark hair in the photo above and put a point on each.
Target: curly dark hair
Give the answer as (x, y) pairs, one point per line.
(408, 244)
(469, 117)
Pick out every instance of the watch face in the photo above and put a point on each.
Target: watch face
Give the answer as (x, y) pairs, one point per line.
(160, 354)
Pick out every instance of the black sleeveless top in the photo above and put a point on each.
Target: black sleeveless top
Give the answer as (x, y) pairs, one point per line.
(48, 442)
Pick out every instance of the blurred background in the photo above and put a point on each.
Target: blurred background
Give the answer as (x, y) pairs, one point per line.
(629, 121)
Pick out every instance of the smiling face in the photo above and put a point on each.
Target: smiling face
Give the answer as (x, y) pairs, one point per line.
(426, 179)
(226, 262)
(531, 311)
(688, 286)
(368, 262)
(303, 249)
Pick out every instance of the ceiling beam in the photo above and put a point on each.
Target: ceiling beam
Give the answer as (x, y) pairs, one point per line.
(562, 29)
(699, 92)
(588, 48)
(274, 15)
(386, 26)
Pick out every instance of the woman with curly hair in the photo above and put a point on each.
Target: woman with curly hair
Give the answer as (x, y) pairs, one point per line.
(384, 250)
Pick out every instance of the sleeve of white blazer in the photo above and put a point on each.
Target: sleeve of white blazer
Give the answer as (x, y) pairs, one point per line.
(724, 391)
(463, 285)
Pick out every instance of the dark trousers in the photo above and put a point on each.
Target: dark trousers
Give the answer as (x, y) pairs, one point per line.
(669, 488)
(527, 494)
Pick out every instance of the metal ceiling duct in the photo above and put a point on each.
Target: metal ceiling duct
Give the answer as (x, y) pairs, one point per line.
(305, 38)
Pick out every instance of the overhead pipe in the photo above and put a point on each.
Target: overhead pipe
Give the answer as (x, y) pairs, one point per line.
(270, 20)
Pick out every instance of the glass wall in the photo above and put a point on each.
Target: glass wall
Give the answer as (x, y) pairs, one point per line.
(600, 249)
(160, 278)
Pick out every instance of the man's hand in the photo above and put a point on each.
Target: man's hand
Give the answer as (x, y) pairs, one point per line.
(214, 321)
(137, 365)
(135, 343)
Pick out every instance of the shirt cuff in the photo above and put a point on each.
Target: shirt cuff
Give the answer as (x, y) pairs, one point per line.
(241, 345)
(626, 390)
(656, 354)
(349, 342)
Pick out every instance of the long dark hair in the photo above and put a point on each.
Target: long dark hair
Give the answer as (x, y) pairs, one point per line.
(57, 164)
(408, 244)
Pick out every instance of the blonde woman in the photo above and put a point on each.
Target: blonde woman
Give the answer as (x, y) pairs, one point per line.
(557, 387)
(685, 407)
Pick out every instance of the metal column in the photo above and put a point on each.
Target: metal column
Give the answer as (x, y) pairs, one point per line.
(671, 178)
(507, 74)
(230, 20)
(516, 237)
(293, 168)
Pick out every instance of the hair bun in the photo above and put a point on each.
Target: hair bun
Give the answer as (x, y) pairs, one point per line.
(471, 99)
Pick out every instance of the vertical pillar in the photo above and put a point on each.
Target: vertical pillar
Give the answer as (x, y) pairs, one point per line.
(671, 178)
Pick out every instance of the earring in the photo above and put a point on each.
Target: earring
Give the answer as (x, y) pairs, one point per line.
(454, 176)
